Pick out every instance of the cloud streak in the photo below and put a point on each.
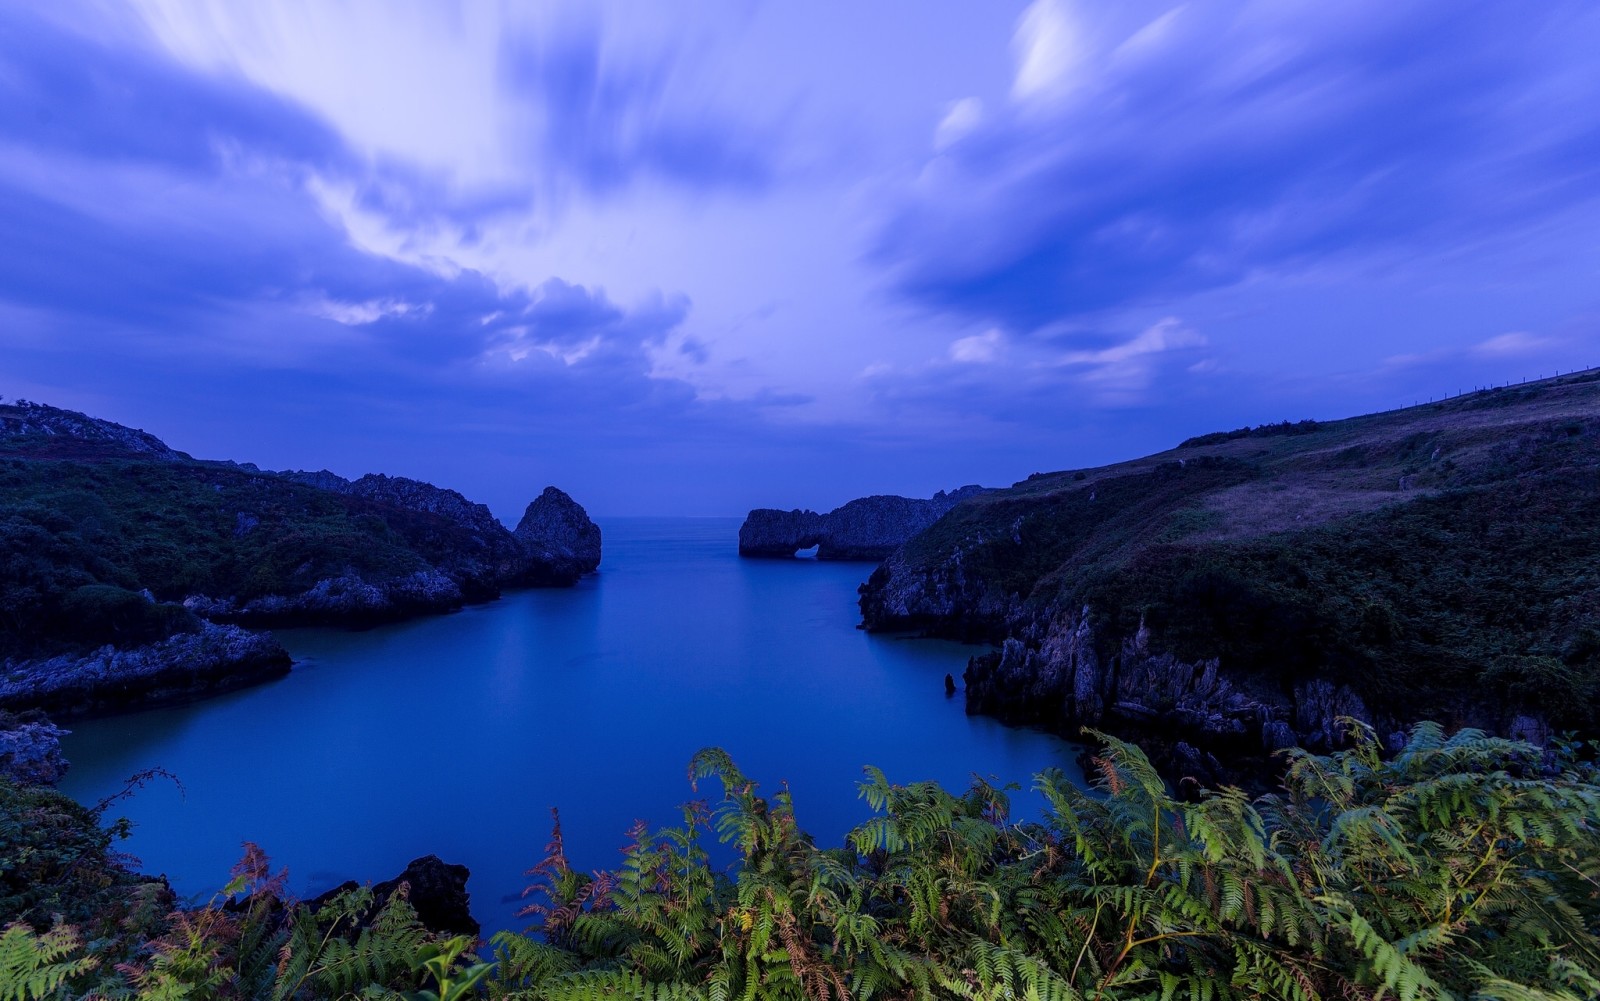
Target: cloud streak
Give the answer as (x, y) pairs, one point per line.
(1150, 153)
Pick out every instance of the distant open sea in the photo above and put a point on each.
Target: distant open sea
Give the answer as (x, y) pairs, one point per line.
(456, 734)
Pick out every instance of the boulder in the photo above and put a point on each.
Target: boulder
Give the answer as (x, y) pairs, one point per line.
(436, 889)
(30, 749)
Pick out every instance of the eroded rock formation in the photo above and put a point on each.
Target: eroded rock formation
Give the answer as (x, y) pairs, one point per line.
(869, 528)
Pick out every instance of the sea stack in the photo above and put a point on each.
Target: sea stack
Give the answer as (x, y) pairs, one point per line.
(559, 540)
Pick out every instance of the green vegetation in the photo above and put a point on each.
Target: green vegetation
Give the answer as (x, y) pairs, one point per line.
(1460, 540)
(80, 538)
(1463, 867)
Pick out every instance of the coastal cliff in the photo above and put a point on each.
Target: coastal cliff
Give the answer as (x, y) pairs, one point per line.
(125, 563)
(1239, 593)
(869, 528)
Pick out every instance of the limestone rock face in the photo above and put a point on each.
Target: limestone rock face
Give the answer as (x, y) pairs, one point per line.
(30, 749)
(213, 659)
(868, 528)
(1055, 670)
(558, 539)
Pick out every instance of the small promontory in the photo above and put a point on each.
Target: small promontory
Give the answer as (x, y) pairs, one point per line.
(869, 528)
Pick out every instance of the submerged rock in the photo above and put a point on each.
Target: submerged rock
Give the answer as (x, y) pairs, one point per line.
(558, 539)
(869, 528)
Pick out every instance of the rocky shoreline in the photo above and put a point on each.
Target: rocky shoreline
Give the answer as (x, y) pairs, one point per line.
(209, 661)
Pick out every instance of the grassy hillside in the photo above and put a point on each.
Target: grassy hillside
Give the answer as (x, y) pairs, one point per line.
(1435, 559)
(89, 518)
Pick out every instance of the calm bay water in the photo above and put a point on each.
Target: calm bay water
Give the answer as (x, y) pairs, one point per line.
(456, 734)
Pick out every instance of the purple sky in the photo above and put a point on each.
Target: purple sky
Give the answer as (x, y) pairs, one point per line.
(696, 258)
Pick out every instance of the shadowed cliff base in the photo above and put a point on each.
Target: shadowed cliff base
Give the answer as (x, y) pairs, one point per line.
(1239, 593)
(868, 529)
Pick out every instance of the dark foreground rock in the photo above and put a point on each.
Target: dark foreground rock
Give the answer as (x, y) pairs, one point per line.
(212, 659)
(559, 540)
(869, 528)
(30, 749)
(436, 889)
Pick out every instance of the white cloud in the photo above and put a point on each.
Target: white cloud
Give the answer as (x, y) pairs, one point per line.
(1120, 374)
(979, 349)
(964, 116)
(1048, 51)
(356, 314)
(1510, 345)
(519, 347)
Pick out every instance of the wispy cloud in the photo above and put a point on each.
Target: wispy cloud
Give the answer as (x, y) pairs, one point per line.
(1150, 153)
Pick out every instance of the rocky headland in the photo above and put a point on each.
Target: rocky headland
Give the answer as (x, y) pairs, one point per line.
(869, 528)
(1241, 593)
(134, 574)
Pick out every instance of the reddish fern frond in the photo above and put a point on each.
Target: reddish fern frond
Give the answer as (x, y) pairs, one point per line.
(255, 869)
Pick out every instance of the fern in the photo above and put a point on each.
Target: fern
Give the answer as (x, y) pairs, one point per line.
(34, 967)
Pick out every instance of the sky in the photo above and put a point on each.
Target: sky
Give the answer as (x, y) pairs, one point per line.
(695, 258)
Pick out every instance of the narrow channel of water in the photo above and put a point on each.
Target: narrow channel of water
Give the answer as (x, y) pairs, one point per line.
(456, 734)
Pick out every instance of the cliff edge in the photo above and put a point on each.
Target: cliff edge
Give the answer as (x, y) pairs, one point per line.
(1239, 593)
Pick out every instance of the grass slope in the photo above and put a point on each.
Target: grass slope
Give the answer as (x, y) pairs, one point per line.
(85, 525)
(1433, 557)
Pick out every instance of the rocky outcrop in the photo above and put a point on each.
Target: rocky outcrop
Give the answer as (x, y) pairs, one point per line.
(436, 889)
(554, 544)
(558, 540)
(36, 427)
(480, 555)
(348, 599)
(213, 659)
(30, 749)
(1054, 670)
(1244, 593)
(869, 528)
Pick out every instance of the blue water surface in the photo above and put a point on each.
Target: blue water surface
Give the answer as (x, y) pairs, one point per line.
(456, 734)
